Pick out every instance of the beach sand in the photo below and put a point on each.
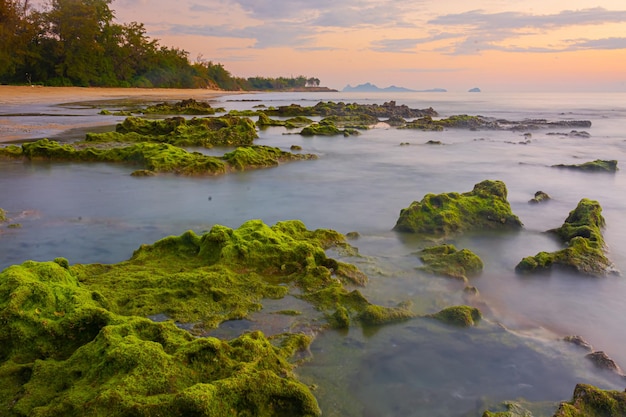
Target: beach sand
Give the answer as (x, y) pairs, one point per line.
(16, 100)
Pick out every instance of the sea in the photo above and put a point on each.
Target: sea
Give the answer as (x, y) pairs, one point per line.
(99, 213)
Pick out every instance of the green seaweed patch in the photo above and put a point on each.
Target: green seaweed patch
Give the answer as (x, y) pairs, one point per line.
(463, 316)
(589, 401)
(447, 260)
(198, 131)
(441, 215)
(186, 107)
(585, 251)
(327, 128)
(593, 166)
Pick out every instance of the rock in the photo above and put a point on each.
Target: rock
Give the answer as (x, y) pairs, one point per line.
(474, 90)
(187, 107)
(602, 361)
(585, 251)
(434, 142)
(3, 216)
(485, 207)
(463, 316)
(296, 148)
(578, 341)
(353, 235)
(594, 166)
(589, 401)
(327, 128)
(448, 261)
(539, 197)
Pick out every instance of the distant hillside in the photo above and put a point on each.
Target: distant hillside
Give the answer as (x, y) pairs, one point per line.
(371, 88)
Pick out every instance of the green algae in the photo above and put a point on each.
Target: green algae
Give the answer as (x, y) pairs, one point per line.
(179, 131)
(485, 207)
(585, 251)
(10, 151)
(593, 166)
(326, 128)
(427, 123)
(163, 158)
(589, 401)
(463, 316)
(447, 260)
(187, 107)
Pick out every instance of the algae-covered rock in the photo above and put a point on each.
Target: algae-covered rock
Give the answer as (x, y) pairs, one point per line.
(585, 251)
(198, 131)
(539, 197)
(464, 316)
(10, 151)
(485, 207)
(448, 261)
(375, 315)
(187, 107)
(163, 157)
(3, 216)
(64, 353)
(358, 121)
(589, 401)
(427, 123)
(512, 409)
(593, 166)
(326, 128)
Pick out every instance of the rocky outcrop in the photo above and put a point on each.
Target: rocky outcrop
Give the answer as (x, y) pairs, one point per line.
(593, 166)
(585, 251)
(589, 401)
(485, 207)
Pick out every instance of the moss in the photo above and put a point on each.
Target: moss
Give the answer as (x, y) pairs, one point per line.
(326, 128)
(448, 261)
(356, 121)
(485, 207)
(246, 157)
(10, 151)
(187, 107)
(340, 319)
(164, 158)
(375, 315)
(205, 132)
(593, 166)
(585, 251)
(512, 409)
(539, 197)
(463, 316)
(464, 121)
(589, 401)
(3, 216)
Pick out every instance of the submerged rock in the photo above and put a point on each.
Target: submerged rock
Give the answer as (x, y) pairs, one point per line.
(539, 197)
(585, 251)
(464, 316)
(447, 260)
(589, 401)
(594, 166)
(485, 207)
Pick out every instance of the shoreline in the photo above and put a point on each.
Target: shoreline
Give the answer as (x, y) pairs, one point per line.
(15, 100)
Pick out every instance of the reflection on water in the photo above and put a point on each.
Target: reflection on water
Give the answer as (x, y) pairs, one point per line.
(99, 213)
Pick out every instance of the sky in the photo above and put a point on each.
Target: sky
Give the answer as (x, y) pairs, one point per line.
(496, 45)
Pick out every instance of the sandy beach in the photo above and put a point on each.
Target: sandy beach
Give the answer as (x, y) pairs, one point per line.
(16, 100)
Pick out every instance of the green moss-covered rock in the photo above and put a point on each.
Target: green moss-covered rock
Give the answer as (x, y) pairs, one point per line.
(187, 107)
(593, 166)
(463, 121)
(64, 353)
(448, 261)
(3, 216)
(329, 108)
(485, 207)
(10, 151)
(589, 401)
(163, 158)
(585, 251)
(326, 128)
(512, 409)
(375, 315)
(247, 157)
(205, 131)
(358, 121)
(464, 316)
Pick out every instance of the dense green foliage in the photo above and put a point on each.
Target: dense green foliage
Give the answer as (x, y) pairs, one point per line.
(77, 43)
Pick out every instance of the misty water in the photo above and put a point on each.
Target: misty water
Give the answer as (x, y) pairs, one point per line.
(91, 213)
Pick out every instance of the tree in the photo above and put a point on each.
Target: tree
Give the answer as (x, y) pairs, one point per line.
(16, 31)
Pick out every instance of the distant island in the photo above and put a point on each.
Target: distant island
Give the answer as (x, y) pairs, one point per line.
(371, 88)
(474, 90)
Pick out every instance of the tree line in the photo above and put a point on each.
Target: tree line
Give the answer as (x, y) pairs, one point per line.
(77, 43)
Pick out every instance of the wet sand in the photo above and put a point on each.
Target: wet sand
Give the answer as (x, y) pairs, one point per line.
(18, 99)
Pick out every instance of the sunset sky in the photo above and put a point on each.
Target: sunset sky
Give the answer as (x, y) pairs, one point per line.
(497, 45)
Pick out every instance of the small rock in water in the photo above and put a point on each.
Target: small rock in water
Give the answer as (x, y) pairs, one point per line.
(579, 341)
(602, 361)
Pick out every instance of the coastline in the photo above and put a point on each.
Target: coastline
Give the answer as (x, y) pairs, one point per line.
(15, 100)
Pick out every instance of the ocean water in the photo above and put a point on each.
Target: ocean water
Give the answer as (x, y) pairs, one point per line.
(99, 213)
